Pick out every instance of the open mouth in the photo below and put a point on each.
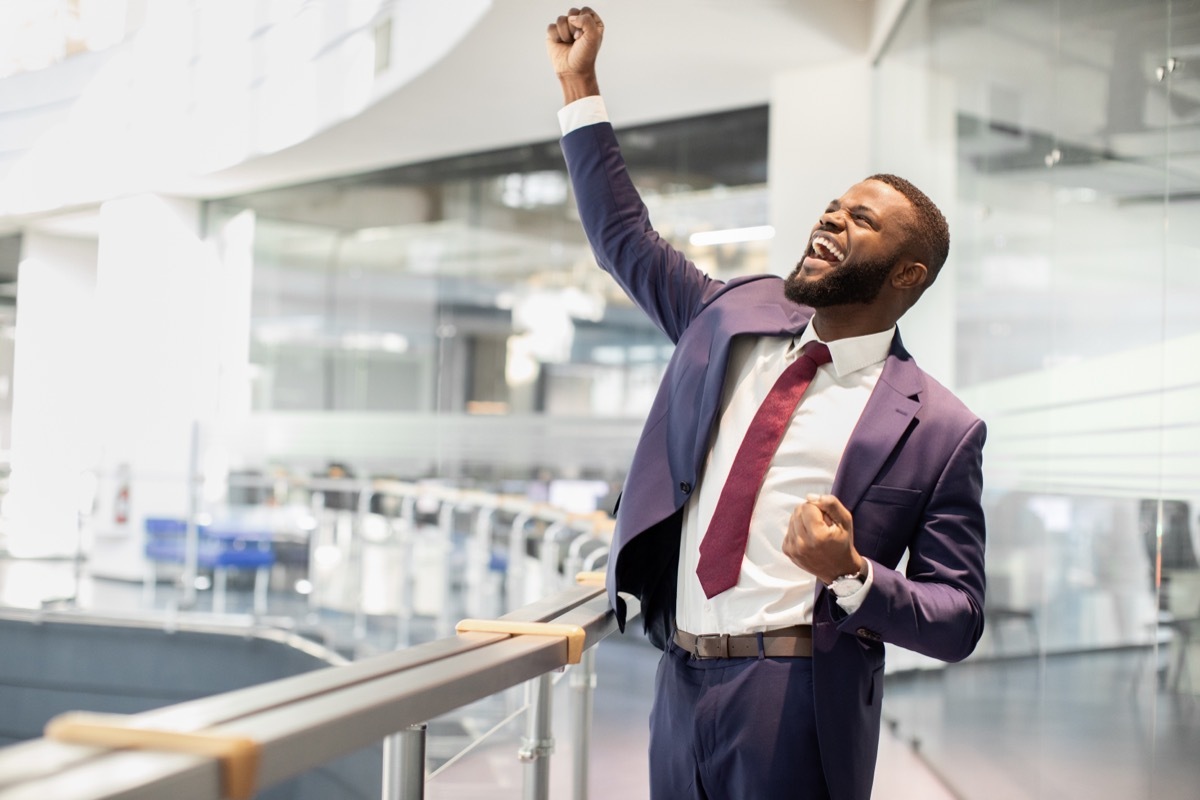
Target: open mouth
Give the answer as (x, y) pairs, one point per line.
(826, 249)
(823, 253)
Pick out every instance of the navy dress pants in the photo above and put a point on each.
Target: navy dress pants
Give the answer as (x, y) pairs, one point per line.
(734, 729)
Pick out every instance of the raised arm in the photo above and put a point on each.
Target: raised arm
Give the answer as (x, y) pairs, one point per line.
(657, 277)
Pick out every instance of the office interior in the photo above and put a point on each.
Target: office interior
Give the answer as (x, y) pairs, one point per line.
(261, 261)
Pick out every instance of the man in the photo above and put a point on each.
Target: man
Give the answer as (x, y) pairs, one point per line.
(793, 454)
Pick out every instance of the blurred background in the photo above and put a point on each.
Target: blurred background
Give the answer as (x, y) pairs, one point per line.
(294, 276)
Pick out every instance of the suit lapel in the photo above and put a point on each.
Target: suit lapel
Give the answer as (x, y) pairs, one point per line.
(770, 319)
(886, 417)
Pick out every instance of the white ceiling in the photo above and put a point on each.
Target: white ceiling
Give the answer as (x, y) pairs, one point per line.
(662, 59)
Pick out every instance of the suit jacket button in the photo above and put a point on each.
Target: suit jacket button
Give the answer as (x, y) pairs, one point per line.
(685, 487)
(866, 634)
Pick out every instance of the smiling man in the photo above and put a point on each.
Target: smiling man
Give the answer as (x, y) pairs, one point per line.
(794, 453)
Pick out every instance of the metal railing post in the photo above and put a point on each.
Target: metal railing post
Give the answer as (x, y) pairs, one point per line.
(551, 555)
(445, 623)
(479, 554)
(316, 504)
(358, 558)
(594, 559)
(404, 764)
(574, 560)
(407, 527)
(538, 744)
(583, 685)
(515, 578)
(191, 541)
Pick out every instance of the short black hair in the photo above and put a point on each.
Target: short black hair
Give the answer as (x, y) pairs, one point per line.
(931, 234)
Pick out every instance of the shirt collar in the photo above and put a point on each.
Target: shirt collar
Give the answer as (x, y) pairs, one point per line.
(854, 353)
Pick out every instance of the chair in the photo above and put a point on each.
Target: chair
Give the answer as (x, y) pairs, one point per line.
(219, 548)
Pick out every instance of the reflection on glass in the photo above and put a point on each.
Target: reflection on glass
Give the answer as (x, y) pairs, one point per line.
(465, 287)
(1065, 133)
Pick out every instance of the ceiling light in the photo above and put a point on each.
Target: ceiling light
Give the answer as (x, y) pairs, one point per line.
(756, 233)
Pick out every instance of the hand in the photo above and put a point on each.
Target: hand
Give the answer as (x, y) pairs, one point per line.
(573, 42)
(820, 539)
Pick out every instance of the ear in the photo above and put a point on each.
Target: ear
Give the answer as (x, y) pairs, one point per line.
(910, 275)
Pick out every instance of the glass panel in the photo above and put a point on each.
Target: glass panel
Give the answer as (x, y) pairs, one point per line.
(1074, 298)
(464, 290)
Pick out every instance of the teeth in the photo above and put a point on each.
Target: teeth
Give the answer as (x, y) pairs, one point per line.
(827, 249)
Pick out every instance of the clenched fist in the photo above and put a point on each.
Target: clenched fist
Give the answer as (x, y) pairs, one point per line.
(820, 539)
(573, 42)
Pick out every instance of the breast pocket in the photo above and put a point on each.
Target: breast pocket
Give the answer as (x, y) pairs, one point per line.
(885, 520)
(893, 496)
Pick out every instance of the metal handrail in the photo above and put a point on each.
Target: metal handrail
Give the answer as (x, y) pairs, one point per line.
(304, 721)
(529, 521)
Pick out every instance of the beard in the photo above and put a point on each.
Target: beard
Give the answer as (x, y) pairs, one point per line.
(849, 284)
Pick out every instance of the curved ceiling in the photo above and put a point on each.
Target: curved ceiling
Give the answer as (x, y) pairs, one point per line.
(660, 60)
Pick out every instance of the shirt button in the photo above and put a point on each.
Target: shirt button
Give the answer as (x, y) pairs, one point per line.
(685, 487)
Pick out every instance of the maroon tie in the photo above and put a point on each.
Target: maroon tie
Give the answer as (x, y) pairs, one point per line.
(724, 544)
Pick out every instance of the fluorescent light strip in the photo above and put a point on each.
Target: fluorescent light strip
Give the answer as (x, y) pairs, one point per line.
(757, 233)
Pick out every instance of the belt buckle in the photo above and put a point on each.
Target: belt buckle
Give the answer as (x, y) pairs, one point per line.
(712, 645)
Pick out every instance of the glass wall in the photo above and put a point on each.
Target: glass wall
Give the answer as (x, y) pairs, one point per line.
(447, 319)
(1065, 140)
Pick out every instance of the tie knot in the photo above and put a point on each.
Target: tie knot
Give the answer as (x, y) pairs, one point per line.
(818, 353)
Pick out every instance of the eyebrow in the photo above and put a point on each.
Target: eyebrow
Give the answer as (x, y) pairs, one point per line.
(836, 204)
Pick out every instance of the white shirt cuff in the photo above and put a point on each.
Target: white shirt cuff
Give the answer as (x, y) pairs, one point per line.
(852, 602)
(584, 111)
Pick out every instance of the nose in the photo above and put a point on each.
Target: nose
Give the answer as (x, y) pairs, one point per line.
(834, 219)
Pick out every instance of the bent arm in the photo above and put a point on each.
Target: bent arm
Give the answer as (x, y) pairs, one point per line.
(936, 607)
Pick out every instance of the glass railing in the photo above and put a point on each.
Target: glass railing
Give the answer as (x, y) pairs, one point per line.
(237, 743)
(380, 572)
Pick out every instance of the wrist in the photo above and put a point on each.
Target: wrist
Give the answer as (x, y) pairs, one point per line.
(855, 569)
(850, 583)
(576, 87)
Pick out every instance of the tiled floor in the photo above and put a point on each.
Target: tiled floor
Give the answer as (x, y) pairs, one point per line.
(1096, 726)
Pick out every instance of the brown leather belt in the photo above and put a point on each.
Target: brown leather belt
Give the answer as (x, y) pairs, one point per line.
(792, 642)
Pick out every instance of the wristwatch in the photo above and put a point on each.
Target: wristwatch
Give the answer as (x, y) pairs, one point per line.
(846, 585)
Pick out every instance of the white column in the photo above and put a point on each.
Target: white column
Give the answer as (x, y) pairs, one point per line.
(53, 440)
(227, 349)
(916, 138)
(833, 125)
(156, 366)
(819, 147)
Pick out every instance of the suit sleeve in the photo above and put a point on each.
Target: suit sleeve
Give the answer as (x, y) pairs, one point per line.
(936, 607)
(668, 287)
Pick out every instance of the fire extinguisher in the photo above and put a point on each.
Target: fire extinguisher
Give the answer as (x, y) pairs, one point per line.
(121, 503)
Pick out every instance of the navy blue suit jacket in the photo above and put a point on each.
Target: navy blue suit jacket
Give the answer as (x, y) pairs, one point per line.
(911, 474)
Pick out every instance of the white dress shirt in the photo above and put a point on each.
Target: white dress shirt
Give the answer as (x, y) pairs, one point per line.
(771, 592)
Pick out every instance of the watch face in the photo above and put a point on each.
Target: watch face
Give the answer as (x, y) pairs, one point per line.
(844, 587)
